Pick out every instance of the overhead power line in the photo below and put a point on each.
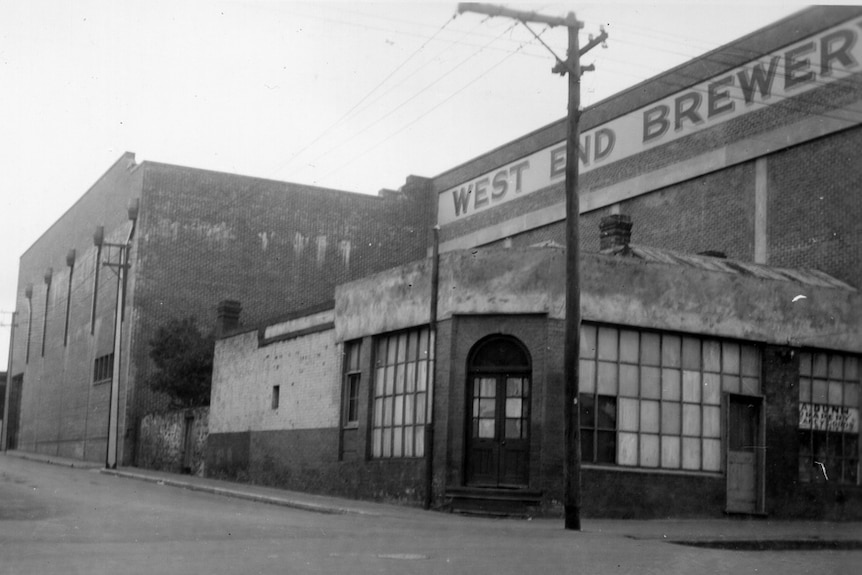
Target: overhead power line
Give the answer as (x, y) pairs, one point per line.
(406, 101)
(366, 96)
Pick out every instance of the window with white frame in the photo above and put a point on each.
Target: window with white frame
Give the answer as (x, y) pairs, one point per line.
(403, 362)
(829, 417)
(653, 400)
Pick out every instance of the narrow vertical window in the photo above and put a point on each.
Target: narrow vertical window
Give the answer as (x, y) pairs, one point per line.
(28, 293)
(70, 261)
(98, 242)
(48, 275)
(275, 396)
(352, 380)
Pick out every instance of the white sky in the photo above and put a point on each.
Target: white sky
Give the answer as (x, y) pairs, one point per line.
(353, 96)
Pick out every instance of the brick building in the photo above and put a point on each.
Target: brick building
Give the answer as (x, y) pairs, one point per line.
(684, 382)
(195, 238)
(724, 382)
(749, 150)
(714, 385)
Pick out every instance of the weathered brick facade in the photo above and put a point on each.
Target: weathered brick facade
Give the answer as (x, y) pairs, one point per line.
(773, 185)
(199, 237)
(517, 293)
(770, 179)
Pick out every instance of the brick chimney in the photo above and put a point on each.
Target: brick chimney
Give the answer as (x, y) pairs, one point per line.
(228, 316)
(615, 233)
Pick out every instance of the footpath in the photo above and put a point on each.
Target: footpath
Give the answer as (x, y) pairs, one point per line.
(737, 533)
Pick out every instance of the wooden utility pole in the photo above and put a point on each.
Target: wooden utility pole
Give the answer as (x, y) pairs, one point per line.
(571, 66)
(122, 268)
(4, 432)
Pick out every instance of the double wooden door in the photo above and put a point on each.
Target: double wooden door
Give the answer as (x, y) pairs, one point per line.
(499, 426)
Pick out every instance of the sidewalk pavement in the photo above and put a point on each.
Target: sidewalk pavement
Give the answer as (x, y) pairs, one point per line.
(730, 533)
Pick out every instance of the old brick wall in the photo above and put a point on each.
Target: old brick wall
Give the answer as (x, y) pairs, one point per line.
(273, 246)
(814, 206)
(306, 370)
(63, 411)
(640, 495)
(813, 212)
(298, 444)
(698, 192)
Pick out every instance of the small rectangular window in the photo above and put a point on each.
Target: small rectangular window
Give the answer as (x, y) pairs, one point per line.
(352, 417)
(103, 368)
(275, 393)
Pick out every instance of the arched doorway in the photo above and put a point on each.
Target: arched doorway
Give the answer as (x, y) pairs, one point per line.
(498, 413)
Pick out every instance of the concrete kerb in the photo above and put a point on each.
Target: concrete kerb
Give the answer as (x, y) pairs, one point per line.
(727, 534)
(240, 494)
(54, 460)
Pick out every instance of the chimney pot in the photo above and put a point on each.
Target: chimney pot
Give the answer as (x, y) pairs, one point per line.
(615, 231)
(228, 316)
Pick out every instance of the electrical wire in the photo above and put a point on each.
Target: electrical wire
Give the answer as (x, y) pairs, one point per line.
(716, 57)
(366, 96)
(418, 93)
(421, 116)
(797, 103)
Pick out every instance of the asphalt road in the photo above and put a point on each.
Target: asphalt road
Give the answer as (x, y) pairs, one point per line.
(60, 520)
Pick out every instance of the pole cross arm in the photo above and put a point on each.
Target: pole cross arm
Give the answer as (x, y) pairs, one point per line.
(491, 10)
(594, 42)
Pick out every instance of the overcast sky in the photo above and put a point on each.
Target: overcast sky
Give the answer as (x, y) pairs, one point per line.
(353, 96)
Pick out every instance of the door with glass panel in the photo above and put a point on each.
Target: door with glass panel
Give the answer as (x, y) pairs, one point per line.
(499, 415)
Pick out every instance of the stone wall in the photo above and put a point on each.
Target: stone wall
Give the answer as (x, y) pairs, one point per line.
(174, 441)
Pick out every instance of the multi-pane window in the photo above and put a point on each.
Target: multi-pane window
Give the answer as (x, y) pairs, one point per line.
(103, 368)
(515, 407)
(829, 417)
(598, 428)
(653, 400)
(403, 362)
(516, 410)
(352, 379)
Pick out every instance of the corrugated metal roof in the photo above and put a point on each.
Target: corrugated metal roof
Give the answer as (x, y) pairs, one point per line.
(803, 276)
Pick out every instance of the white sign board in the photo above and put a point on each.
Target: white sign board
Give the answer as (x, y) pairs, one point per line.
(828, 418)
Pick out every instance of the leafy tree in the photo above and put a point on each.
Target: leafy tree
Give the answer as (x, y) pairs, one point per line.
(183, 358)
